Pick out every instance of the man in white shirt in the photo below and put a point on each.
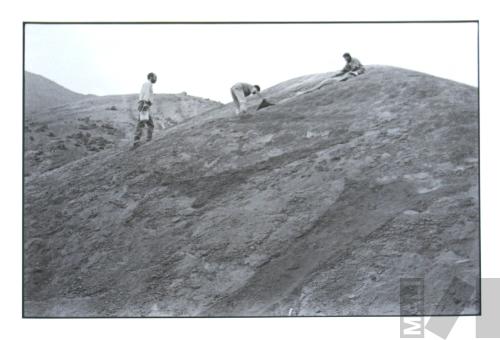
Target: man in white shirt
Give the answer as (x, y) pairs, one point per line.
(239, 92)
(145, 102)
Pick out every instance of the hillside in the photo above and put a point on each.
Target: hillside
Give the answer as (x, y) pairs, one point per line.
(318, 205)
(59, 135)
(41, 93)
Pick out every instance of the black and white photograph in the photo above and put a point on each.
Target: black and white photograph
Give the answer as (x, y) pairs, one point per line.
(250, 169)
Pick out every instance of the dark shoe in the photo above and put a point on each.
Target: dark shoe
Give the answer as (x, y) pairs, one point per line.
(264, 104)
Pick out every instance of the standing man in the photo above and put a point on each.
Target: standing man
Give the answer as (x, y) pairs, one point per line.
(239, 92)
(145, 102)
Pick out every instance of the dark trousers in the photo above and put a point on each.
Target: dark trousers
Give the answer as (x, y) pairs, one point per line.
(140, 125)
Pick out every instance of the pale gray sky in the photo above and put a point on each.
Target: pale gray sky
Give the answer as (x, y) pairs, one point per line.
(205, 60)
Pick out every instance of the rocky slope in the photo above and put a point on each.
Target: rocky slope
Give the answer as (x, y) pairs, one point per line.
(318, 205)
(61, 134)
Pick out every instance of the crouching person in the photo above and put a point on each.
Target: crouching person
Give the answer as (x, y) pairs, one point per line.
(145, 118)
(239, 92)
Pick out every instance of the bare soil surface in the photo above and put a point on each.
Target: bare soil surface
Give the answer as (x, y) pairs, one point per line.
(317, 205)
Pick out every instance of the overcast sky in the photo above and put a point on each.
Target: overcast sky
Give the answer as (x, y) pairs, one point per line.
(205, 60)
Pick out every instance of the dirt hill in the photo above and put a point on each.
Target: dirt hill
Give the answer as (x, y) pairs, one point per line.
(41, 93)
(58, 135)
(318, 205)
